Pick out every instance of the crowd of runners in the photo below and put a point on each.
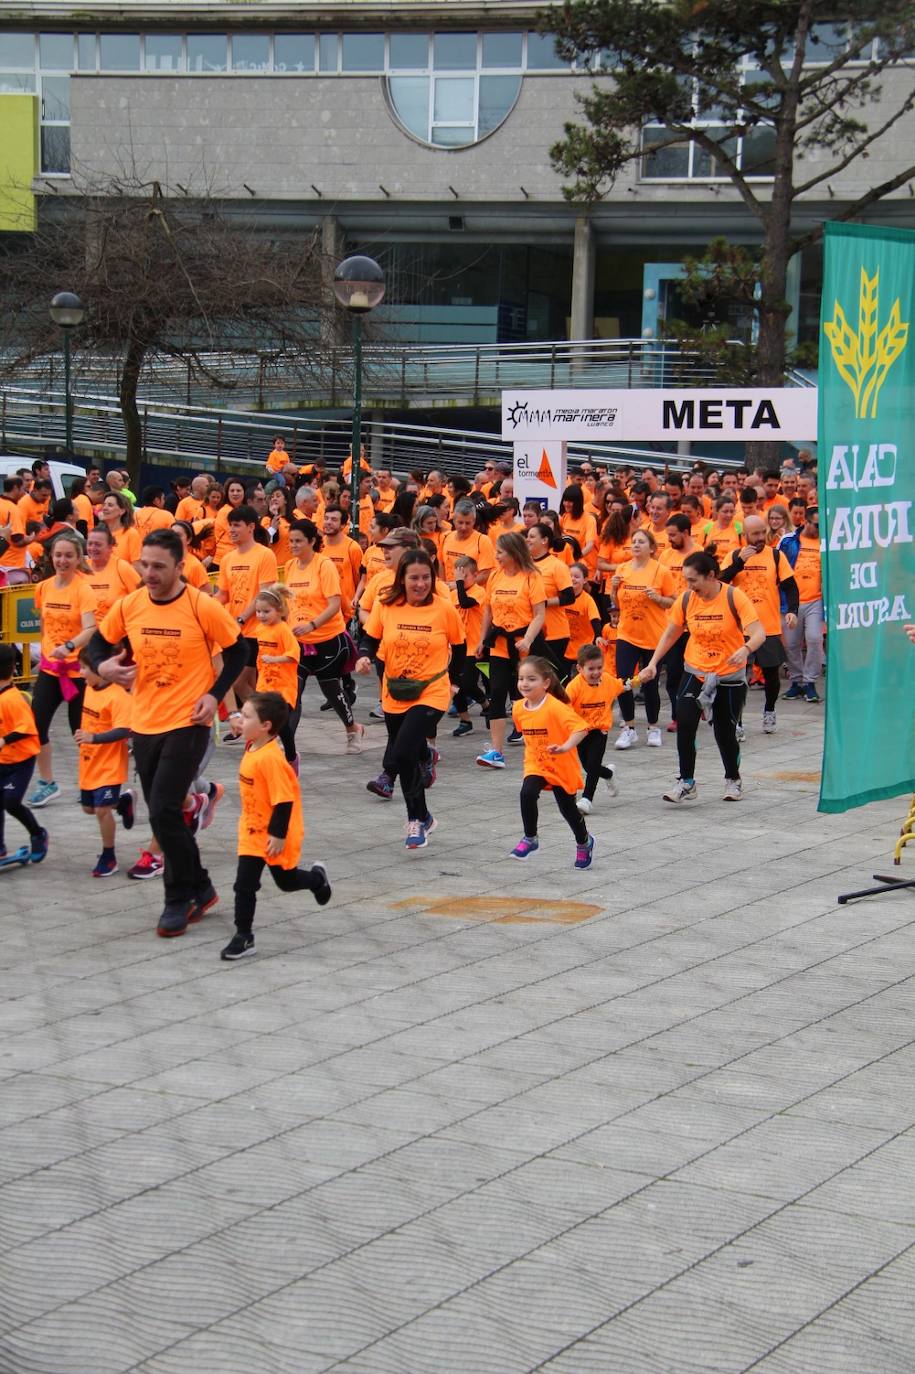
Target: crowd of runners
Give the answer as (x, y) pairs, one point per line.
(184, 621)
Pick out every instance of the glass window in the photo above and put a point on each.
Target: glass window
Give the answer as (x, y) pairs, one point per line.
(757, 158)
(454, 52)
(17, 49)
(542, 54)
(206, 52)
(55, 148)
(55, 98)
(410, 98)
(17, 83)
(294, 52)
(85, 52)
(408, 50)
(163, 52)
(119, 52)
(363, 52)
(663, 162)
(502, 50)
(453, 100)
(704, 163)
(497, 96)
(251, 52)
(447, 136)
(55, 51)
(327, 52)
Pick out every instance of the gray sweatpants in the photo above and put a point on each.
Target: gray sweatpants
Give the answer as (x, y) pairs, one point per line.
(804, 644)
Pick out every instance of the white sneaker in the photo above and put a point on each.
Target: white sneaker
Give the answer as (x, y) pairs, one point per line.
(682, 791)
(733, 789)
(654, 737)
(584, 806)
(740, 734)
(377, 711)
(610, 784)
(628, 738)
(769, 726)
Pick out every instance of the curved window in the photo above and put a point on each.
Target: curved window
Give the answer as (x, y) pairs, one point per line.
(458, 92)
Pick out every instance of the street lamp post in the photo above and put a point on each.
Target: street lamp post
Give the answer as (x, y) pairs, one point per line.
(67, 311)
(359, 287)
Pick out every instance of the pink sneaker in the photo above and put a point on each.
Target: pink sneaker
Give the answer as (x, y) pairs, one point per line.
(212, 802)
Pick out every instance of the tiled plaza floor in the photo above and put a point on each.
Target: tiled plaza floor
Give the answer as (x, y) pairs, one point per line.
(660, 1123)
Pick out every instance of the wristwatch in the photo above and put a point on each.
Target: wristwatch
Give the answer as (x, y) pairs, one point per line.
(69, 646)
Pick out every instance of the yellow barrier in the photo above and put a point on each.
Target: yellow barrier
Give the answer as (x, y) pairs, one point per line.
(19, 624)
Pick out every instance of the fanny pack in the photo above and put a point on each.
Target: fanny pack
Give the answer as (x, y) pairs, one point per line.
(410, 688)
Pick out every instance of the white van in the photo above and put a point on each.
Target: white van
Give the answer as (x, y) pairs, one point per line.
(63, 475)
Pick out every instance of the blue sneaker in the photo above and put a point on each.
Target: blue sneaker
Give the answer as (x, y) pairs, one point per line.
(416, 836)
(491, 759)
(39, 847)
(794, 693)
(525, 848)
(584, 853)
(810, 692)
(44, 792)
(516, 737)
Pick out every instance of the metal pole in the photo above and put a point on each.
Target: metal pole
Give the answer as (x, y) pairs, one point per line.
(68, 404)
(356, 470)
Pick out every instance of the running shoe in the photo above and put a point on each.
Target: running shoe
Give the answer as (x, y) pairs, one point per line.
(38, 849)
(229, 738)
(491, 759)
(524, 849)
(430, 824)
(654, 737)
(465, 728)
(194, 810)
(769, 725)
(354, 739)
(126, 806)
(628, 738)
(584, 806)
(148, 865)
(105, 868)
(427, 769)
(326, 706)
(733, 789)
(584, 853)
(682, 791)
(382, 787)
(202, 903)
(174, 919)
(44, 792)
(794, 693)
(515, 737)
(810, 692)
(322, 893)
(238, 947)
(672, 728)
(416, 836)
(740, 733)
(377, 711)
(217, 792)
(610, 784)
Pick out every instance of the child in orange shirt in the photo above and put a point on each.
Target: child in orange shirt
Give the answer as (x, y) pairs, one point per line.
(19, 748)
(468, 599)
(583, 616)
(270, 828)
(607, 642)
(278, 657)
(551, 731)
(592, 693)
(102, 737)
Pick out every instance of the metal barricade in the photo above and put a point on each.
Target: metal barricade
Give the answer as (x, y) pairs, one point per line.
(20, 624)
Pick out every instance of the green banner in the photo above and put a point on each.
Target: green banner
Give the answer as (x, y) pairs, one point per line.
(866, 465)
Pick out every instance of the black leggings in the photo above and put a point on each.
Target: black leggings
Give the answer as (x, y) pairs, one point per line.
(556, 653)
(47, 696)
(408, 732)
(287, 734)
(248, 881)
(672, 662)
(468, 687)
(726, 710)
(530, 796)
(773, 682)
(326, 664)
(591, 752)
(629, 657)
(503, 678)
(14, 779)
(167, 765)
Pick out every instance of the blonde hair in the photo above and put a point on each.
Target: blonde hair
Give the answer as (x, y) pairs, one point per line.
(277, 596)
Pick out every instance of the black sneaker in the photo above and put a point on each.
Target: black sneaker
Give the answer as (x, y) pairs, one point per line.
(202, 903)
(326, 706)
(125, 808)
(39, 847)
(238, 947)
(322, 893)
(465, 728)
(174, 919)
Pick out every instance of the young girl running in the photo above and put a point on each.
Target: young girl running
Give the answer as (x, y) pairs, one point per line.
(551, 731)
(18, 750)
(592, 693)
(270, 828)
(102, 738)
(278, 659)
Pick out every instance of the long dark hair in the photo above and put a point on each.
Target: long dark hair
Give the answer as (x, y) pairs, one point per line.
(576, 497)
(396, 593)
(617, 526)
(545, 668)
(702, 562)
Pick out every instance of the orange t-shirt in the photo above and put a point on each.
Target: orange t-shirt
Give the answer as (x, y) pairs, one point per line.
(725, 540)
(31, 511)
(415, 642)
(82, 508)
(373, 561)
(714, 633)
(10, 514)
(115, 580)
(222, 545)
(617, 554)
(580, 615)
(149, 518)
(807, 569)
(195, 574)
(173, 644)
(477, 546)
(241, 576)
(62, 610)
(280, 545)
(585, 532)
(386, 499)
(104, 709)
(277, 459)
(347, 559)
(190, 509)
(757, 579)
(265, 780)
(471, 617)
(609, 636)
(311, 587)
(595, 704)
(660, 537)
(511, 598)
(278, 677)
(673, 560)
(127, 544)
(642, 621)
(552, 722)
(556, 579)
(16, 719)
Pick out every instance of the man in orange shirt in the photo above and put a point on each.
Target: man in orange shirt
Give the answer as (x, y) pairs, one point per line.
(766, 576)
(152, 515)
(658, 516)
(12, 529)
(34, 505)
(194, 506)
(387, 491)
(804, 641)
(242, 573)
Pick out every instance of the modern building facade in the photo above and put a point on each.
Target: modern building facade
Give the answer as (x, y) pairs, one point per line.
(418, 132)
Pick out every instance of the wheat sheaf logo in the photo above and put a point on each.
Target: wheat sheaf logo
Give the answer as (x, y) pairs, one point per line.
(864, 359)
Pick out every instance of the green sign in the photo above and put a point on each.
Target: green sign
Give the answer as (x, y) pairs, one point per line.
(866, 465)
(27, 618)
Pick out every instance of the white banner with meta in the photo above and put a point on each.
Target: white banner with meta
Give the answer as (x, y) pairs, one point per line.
(707, 413)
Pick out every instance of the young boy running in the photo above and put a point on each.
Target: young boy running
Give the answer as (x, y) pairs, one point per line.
(19, 748)
(270, 828)
(103, 762)
(468, 599)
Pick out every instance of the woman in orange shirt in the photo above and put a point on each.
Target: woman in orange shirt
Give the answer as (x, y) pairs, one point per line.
(723, 535)
(194, 573)
(513, 616)
(557, 582)
(643, 589)
(109, 577)
(276, 522)
(82, 506)
(235, 497)
(616, 540)
(419, 639)
(117, 513)
(66, 604)
(581, 525)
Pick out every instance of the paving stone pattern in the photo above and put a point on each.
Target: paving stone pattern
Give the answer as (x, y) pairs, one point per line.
(675, 1138)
